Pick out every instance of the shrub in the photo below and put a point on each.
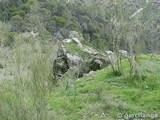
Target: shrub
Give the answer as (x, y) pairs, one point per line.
(86, 37)
(31, 1)
(83, 11)
(25, 8)
(44, 14)
(10, 39)
(74, 26)
(17, 24)
(60, 21)
(20, 13)
(4, 16)
(85, 19)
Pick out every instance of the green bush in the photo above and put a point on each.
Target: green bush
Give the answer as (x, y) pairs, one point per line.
(86, 37)
(60, 21)
(31, 1)
(83, 11)
(25, 8)
(85, 19)
(44, 14)
(4, 16)
(19, 13)
(10, 39)
(74, 26)
(3, 5)
(92, 28)
(50, 6)
(14, 7)
(17, 24)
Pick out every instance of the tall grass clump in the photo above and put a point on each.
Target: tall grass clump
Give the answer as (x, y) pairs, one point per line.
(41, 81)
(26, 97)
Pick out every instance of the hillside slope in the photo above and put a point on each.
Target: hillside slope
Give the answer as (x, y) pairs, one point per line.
(102, 96)
(32, 32)
(98, 95)
(94, 20)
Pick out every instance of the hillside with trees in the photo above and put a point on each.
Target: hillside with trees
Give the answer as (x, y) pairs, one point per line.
(79, 59)
(92, 19)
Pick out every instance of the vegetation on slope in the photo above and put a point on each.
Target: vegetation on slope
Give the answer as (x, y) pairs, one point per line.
(100, 95)
(93, 19)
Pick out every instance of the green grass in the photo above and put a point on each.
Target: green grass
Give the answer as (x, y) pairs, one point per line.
(103, 96)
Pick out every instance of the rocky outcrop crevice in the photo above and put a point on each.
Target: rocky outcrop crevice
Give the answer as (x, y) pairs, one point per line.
(71, 60)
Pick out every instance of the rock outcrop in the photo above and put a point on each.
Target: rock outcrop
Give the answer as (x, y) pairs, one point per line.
(60, 64)
(81, 57)
(69, 60)
(73, 60)
(90, 51)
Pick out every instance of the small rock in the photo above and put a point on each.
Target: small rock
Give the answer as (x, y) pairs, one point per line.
(34, 34)
(108, 52)
(58, 35)
(67, 40)
(123, 53)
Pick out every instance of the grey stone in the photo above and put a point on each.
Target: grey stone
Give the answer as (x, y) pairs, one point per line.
(123, 53)
(73, 60)
(90, 51)
(108, 52)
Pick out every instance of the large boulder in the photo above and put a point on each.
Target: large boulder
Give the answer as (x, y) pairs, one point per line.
(63, 62)
(83, 58)
(66, 61)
